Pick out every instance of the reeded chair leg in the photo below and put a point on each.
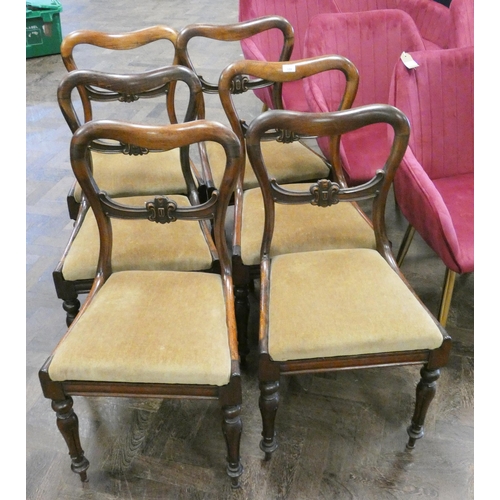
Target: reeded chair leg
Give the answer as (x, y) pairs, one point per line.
(72, 307)
(405, 244)
(449, 284)
(426, 389)
(232, 427)
(67, 423)
(268, 404)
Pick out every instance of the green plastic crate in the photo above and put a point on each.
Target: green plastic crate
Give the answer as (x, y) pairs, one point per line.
(43, 28)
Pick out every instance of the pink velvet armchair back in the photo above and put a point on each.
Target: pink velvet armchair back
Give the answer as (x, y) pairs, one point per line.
(373, 41)
(432, 19)
(434, 185)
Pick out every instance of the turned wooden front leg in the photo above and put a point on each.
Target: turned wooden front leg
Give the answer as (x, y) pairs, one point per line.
(232, 428)
(67, 423)
(426, 389)
(268, 404)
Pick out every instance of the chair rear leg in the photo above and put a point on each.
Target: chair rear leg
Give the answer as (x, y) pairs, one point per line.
(268, 404)
(72, 307)
(232, 428)
(67, 423)
(426, 389)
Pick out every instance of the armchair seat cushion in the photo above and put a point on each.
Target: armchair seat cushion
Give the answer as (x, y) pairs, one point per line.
(302, 229)
(349, 302)
(154, 334)
(127, 175)
(139, 245)
(288, 162)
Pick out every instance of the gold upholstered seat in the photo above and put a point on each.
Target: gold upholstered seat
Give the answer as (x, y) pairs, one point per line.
(337, 308)
(151, 332)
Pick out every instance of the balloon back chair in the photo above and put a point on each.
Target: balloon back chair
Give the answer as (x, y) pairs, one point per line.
(137, 245)
(301, 230)
(121, 53)
(151, 333)
(434, 186)
(373, 41)
(338, 309)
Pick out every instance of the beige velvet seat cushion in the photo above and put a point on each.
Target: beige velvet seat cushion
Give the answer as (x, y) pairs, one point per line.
(302, 228)
(292, 162)
(127, 175)
(343, 302)
(149, 327)
(139, 244)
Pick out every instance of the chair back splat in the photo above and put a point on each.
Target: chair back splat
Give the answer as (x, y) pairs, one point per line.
(151, 333)
(353, 307)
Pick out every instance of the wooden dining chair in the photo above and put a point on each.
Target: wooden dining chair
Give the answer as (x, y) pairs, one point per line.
(137, 246)
(300, 230)
(338, 309)
(123, 53)
(151, 333)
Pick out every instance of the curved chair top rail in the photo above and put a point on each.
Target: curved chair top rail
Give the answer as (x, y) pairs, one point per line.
(127, 88)
(284, 72)
(236, 32)
(114, 41)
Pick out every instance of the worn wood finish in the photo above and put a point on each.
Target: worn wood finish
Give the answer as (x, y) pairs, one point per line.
(346, 438)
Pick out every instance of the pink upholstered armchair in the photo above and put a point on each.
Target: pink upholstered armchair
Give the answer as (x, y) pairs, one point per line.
(373, 41)
(433, 22)
(434, 185)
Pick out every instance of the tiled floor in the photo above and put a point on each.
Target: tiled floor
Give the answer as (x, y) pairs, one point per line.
(342, 435)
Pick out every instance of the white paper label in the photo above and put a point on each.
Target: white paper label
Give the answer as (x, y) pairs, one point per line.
(408, 61)
(288, 68)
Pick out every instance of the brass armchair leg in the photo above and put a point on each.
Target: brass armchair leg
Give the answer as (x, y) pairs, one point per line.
(405, 244)
(444, 308)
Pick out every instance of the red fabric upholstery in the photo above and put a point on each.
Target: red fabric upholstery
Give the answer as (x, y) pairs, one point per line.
(432, 19)
(434, 185)
(373, 41)
(462, 19)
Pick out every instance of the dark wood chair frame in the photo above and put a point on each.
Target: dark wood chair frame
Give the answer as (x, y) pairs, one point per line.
(127, 87)
(163, 138)
(88, 93)
(274, 72)
(323, 194)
